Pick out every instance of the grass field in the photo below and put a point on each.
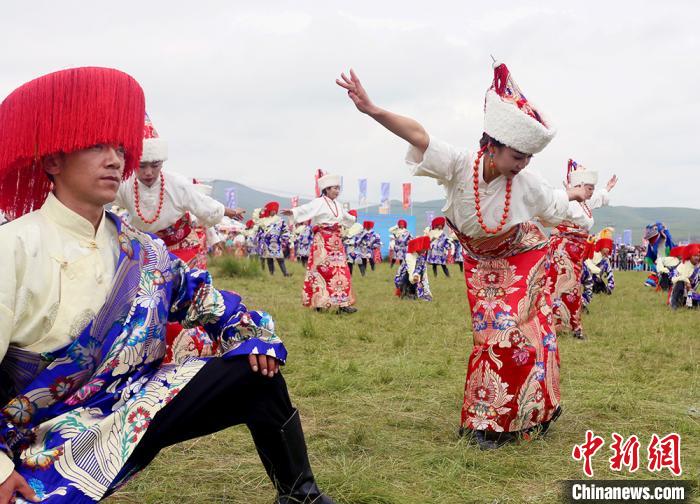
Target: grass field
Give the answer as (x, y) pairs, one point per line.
(380, 394)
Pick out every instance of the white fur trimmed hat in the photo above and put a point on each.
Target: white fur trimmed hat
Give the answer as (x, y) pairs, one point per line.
(328, 181)
(154, 147)
(577, 174)
(510, 118)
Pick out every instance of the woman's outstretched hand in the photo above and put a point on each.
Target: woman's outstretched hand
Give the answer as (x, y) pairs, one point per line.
(356, 92)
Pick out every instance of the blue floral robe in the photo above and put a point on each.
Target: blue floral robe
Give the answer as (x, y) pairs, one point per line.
(75, 415)
(274, 239)
(439, 248)
(419, 290)
(369, 242)
(302, 245)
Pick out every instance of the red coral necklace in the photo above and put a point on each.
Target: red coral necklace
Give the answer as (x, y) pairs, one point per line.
(477, 198)
(137, 200)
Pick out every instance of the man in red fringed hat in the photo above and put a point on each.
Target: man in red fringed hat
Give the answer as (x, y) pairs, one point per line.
(439, 246)
(600, 268)
(686, 279)
(411, 279)
(274, 238)
(401, 237)
(84, 299)
(368, 244)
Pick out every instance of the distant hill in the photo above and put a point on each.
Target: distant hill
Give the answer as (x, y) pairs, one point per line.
(684, 223)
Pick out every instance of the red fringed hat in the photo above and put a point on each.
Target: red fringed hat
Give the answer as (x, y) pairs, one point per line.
(437, 222)
(402, 223)
(677, 252)
(272, 206)
(353, 212)
(420, 244)
(368, 224)
(249, 224)
(64, 111)
(691, 250)
(604, 243)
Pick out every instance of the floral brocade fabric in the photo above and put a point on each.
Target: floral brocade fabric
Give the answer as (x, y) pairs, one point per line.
(327, 282)
(75, 415)
(513, 368)
(567, 247)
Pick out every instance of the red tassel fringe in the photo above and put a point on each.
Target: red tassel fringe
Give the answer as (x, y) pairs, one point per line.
(500, 79)
(64, 111)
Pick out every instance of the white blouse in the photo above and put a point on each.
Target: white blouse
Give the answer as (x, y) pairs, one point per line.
(531, 195)
(578, 216)
(57, 274)
(323, 211)
(180, 196)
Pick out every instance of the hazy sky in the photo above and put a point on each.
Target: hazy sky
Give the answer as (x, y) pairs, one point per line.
(245, 90)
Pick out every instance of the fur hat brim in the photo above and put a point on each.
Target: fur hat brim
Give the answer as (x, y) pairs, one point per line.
(505, 122)
(154, 149)
(579, 177)
(328, 181)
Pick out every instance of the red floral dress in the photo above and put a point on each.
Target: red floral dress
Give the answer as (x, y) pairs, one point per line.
(513, 368)
(327, 282)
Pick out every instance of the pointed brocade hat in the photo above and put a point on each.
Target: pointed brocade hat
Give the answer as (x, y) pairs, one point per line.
(510, 118)
(577, 174)
(154, 147)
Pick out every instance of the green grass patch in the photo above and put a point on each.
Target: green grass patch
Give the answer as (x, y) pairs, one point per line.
(380, 394)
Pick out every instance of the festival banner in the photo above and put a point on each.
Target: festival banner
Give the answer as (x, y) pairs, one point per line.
(363, 192)
(406, 195)
(627, 237)
(231, 197)
(384, 206)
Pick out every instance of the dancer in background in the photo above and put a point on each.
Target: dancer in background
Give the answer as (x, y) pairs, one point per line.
(602, 278)
(303, 236)
(569, 247)
(411, 279)
(512, 386)
(686, 279)
(327, 284)
(401, 237)
(351, 242)
(369, 243)
(660, 243)
(439, 246)
(274, 238)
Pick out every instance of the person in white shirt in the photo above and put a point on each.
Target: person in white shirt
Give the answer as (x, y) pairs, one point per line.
(569, 246)
(512, 384)
(84, 298)
(169, 205)
(327, 283)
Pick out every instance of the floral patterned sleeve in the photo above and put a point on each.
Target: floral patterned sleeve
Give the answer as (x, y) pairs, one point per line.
(195, 302)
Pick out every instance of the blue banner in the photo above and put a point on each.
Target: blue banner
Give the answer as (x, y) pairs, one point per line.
(627, 237)
(363, 189)
(384, 193)
(231, 197)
